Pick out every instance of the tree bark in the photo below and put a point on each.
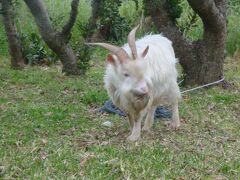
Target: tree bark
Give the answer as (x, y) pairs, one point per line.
(57, 41)
(92, 23)
(201, 60)
(15, 49)
(66, 31)
(210, 51)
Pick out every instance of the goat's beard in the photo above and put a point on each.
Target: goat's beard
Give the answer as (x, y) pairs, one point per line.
(131, 103)
(140, 103)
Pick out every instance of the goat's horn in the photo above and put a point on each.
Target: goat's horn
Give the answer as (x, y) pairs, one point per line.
(132, 43)
(118, 51)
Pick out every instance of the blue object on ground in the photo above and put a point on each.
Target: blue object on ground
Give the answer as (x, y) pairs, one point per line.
(109, 107)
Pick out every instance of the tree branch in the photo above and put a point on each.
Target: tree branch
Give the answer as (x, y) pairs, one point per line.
(42, 19)
(53, 39)
(92, 22)
(167, 26)
(222, 6)
(71, 21)
(209, 13)
(14, 44)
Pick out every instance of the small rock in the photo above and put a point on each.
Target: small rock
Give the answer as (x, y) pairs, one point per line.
(107, 123)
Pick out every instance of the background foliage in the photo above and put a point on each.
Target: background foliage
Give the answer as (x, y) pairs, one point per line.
(50, 128)
(117, 17)
(111, 24)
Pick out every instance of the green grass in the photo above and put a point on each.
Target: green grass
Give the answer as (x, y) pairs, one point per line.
(233, 41)
(49, 129)
(59, 13)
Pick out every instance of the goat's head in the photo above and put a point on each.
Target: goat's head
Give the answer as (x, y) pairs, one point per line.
(130, 70)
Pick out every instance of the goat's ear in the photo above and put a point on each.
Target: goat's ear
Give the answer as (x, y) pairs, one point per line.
(110, 59)
(144, 53)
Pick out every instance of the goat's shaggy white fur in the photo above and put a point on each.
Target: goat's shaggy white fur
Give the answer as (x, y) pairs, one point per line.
(159, 72)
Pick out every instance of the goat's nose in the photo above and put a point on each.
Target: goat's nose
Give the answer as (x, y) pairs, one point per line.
(140, 92)
(144, 89)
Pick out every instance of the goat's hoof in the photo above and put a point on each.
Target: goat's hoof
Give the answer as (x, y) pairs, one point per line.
(133, 138)
(146, 129)
(174, 125)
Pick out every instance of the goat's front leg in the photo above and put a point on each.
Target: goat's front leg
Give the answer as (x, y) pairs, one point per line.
(136, 130)
(175, 123)
(136, 125)
(131, 121)
(149, 119)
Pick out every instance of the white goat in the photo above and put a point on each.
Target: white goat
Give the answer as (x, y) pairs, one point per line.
(140, 76)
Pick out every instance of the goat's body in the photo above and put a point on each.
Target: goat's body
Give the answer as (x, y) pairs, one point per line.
(160, 70)
(161, 75)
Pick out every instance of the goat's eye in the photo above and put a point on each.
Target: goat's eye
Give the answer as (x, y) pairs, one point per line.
(126, 75)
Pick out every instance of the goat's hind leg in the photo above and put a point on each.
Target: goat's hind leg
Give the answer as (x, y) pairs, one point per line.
(175, 123)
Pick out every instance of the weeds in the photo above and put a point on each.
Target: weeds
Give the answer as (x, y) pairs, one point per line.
(50, 129)
(124, 18)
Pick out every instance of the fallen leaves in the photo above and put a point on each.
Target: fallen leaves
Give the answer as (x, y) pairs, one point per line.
(39, 149)
(86, 143)
(49, 114)
(69, 132)
(42, 154)
(2, 107)
(86, 157)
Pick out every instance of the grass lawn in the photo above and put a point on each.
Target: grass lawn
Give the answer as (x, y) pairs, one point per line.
(49, 129)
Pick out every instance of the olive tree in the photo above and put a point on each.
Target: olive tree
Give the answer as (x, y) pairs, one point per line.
(57, 40)
(14, 44)
(202, 60)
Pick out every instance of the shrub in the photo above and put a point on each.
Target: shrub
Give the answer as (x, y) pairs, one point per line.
(131, 11)
(190, 23)
(112, 26)
(233, 41)
(3, 41)
(34, 50)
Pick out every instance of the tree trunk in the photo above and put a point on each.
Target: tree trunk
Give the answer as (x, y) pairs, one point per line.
(202, 60)
(57, 41)
(210, 51)
(92, 23)
(15, 49)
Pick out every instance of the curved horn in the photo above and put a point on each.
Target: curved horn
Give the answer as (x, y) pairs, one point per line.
(118, 51)
(132, 43)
